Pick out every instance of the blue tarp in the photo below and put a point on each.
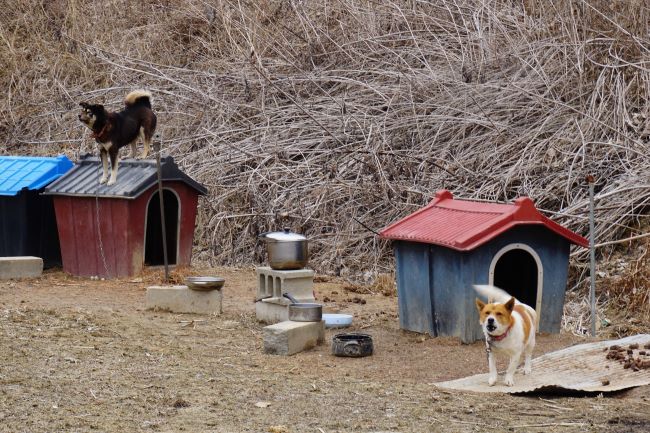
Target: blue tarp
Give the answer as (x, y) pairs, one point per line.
(31, 172)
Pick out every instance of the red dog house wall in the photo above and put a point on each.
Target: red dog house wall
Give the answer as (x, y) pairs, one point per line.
(113, 231)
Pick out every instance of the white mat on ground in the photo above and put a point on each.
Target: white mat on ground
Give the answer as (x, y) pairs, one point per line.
(580, 368)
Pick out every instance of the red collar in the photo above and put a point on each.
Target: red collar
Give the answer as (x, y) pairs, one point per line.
(102, 135)
(502, 336)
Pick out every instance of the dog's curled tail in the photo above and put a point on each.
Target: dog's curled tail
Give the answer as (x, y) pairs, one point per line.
(493, 294)
(138, 97)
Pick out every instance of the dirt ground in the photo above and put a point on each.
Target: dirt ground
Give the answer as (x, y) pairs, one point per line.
(78, 356)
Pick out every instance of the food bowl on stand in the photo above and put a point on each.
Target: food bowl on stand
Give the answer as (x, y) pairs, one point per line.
(205, 283)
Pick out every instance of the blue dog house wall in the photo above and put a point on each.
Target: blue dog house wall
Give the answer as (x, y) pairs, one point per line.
(27, 220)
(444, 248)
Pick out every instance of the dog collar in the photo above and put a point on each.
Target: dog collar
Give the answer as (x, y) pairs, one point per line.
(101, 135)
(502, 336)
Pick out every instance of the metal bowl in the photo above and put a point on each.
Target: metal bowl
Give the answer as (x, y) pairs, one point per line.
(204, 283)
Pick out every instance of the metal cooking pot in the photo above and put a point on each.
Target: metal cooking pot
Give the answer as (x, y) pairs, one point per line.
(286, 250)
(304, 311)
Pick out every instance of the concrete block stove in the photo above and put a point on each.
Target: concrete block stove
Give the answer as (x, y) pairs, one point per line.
(271, 305)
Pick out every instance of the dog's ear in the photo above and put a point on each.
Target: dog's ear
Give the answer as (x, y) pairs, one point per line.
(83, 104)
(510, 305)
(479, 304)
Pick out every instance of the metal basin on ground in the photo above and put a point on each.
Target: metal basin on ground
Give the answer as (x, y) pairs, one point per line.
(353, 345)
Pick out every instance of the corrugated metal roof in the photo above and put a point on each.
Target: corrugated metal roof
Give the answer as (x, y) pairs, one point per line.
(31, 172)
(580, 368)
(133, 178)
(464, 225)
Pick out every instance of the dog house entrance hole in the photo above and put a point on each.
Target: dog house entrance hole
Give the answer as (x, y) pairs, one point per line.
(153, 249)
(517, 269)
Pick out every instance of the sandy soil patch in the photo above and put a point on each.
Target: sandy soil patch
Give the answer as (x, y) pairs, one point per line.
(80, 355)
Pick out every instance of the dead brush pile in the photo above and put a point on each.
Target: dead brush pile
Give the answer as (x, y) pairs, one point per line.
(316, 115)
(626, 286)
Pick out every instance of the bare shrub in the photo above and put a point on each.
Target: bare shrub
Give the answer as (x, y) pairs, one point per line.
(317, 115)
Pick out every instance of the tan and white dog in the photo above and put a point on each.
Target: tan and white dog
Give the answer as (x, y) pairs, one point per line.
(509, 327)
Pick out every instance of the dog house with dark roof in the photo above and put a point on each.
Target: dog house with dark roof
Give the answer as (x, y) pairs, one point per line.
(444, 248)
(27, 222)
(114, 231)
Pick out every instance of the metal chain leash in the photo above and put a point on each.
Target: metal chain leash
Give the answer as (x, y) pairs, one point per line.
(99, 233)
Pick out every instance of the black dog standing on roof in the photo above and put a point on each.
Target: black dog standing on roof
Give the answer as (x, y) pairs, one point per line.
(114, 130)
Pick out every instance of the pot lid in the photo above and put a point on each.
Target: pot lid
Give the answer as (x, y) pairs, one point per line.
(285, 235)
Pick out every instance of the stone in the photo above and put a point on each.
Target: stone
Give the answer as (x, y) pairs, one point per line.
(288, 337)
(182, 299)
(20, 267)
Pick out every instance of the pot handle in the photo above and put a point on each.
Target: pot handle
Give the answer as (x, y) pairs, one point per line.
(262, 235)
(291, 298)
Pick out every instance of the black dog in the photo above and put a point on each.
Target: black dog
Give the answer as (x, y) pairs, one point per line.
(115, 130)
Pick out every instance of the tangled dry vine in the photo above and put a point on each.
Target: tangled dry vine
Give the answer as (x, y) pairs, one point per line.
(324, 115)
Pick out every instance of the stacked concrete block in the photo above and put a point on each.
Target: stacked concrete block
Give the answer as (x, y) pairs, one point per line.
(182, 299)
(273, 284)
(272, 310)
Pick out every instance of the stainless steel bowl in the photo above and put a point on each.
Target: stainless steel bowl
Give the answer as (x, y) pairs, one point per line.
(204, 283)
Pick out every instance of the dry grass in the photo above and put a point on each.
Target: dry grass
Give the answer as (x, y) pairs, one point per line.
(318, 115)
(626, 286)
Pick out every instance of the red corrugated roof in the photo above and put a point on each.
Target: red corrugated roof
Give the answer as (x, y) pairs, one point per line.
(464, 225)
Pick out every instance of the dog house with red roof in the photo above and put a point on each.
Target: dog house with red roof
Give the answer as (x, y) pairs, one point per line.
(444, 248)
(113, 231)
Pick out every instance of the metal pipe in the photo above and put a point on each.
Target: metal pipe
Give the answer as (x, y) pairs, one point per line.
(162, 210)
(592, 256)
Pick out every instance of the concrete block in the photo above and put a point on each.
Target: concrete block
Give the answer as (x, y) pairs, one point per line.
(272, 282)
(20, 267)
(288, 338)
(182, 299)
(271, 312)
